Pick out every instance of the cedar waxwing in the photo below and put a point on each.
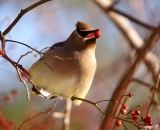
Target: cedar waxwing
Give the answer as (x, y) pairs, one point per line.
(67, 68)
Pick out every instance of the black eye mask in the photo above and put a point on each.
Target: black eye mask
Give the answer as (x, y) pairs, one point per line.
(84, 33)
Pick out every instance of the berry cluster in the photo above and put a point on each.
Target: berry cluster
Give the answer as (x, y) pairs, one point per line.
(147, 121)
(135, 114)
(124, 110)
(136, 118)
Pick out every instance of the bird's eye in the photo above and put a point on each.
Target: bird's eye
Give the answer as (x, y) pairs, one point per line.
(84, 33)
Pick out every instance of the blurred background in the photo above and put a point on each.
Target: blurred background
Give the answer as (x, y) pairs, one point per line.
(53, 22)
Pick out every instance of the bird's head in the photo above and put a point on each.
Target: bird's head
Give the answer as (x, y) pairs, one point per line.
(84, 36)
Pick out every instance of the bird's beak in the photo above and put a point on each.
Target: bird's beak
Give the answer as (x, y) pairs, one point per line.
(94, 34)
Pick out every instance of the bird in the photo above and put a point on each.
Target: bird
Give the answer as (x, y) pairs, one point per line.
(67, 68)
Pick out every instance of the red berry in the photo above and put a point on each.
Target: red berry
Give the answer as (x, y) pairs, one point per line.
(123, 111)
(147, 119)
(130, 94)
(134, 118)
(137, 112)
(125, 107)
(150, 123)
(118, 123)
(133, 114)
(97, 33)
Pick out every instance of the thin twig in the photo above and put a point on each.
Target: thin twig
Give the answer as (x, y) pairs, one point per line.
(90, 102)
(143, 83)
(20, 68)
(132, 18)
(17, 65)
(131, 35)
(124, 125)
(23, 11)
(41, 113)
(96, 105)
(40, 52)
(3, 40)
(132, 110)
(157, 106)
(19, 74)
(7, 40)
(153, 95)
(151, 87)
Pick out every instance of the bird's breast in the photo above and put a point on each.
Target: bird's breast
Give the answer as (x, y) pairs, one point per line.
(86, 62)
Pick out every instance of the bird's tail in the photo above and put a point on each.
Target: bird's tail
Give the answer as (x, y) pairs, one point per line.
(40, 93)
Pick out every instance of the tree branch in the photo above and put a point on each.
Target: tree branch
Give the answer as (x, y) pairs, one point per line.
(120, 89)
(132, 18)
(136, 43)
(133, 38)
(23, 11)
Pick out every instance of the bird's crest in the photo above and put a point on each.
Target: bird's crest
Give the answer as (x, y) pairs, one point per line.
(83, 26)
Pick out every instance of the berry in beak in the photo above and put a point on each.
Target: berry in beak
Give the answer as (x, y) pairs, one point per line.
(94, 34)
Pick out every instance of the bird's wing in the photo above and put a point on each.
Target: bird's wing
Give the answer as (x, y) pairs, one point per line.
(55, 71)
(59, 44)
